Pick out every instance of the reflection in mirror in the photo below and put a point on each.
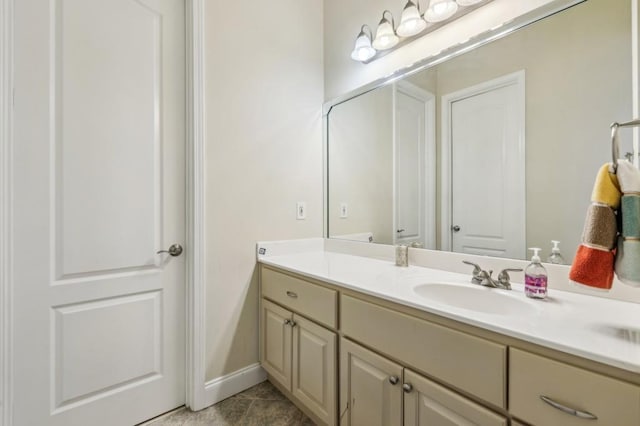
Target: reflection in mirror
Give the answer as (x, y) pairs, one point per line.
(492, 151)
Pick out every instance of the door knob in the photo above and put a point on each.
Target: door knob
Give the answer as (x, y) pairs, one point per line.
(175, 250)
(455, 228)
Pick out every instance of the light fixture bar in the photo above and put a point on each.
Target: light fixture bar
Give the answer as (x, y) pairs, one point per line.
(413, 7)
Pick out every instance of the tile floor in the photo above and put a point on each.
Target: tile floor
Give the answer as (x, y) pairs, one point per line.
(261, 405)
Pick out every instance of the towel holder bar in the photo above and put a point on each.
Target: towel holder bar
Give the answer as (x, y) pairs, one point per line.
(615, 141)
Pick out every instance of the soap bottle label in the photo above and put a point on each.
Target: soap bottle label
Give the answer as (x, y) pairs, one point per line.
(535, 287)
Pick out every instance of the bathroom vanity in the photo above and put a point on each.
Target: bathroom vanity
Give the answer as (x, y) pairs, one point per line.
(355, 340)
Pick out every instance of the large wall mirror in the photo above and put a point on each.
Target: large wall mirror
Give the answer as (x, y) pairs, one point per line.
(492, 151)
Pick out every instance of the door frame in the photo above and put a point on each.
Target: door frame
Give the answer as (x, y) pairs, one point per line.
(195, 309)
(6, 223)
(428, 161)
(517, 78)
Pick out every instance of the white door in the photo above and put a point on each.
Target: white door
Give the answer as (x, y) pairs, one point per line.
(414, 166)
(488, 168)
(99, 188)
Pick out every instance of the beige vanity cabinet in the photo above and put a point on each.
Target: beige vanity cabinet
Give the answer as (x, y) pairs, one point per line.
(373, 391)
(277, 336)
(295, 351)
(370, 388)
(427, 403)
(574, 396)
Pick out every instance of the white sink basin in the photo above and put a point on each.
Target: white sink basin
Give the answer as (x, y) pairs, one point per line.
(474, 298)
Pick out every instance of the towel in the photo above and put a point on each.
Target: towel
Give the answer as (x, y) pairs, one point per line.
(606, 190)
(627, 266)
(630, 211)
(594, 262)
(600, 228)
(593, 267)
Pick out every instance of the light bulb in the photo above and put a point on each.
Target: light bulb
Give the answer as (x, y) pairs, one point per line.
(386, 36)
(411, 23)
(440, 10)
(363, 50)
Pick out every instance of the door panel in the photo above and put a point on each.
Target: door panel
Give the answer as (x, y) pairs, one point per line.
(118, 357)
(314, 368)
(107, 88)
(487, 153)
(430, 404)
(368, 398)
(99, 129)
(276, 342)
(410, 140)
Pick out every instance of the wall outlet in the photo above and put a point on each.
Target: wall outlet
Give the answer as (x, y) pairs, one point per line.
(344, 211)
(301, 210)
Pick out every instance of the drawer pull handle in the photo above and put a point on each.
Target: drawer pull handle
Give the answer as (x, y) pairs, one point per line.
(407, 387)
(394, 380)
(292, 294)
(568, 410)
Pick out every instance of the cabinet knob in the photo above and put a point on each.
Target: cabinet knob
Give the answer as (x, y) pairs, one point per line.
(293, 323)
(394, 380)
(287, 321)
(407, 387)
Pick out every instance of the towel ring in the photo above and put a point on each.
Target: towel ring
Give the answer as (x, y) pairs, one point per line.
(615, 140)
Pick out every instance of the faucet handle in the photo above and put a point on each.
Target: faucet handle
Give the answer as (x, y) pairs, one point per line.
(477, 272)
(503, 276)
(476, 268)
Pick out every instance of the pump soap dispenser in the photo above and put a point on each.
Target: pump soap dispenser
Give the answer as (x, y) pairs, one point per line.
(535, 277)
(556, 257)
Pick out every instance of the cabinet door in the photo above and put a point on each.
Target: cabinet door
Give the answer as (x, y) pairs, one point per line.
(370, 388)
(275, 352)
(427, 403)
(314, 368)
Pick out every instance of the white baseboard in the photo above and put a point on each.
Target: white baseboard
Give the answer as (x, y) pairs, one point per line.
(223, 387)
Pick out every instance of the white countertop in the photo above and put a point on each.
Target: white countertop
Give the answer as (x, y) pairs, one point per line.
(599, 329)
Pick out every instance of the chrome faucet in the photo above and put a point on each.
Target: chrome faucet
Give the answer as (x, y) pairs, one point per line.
(482, 277)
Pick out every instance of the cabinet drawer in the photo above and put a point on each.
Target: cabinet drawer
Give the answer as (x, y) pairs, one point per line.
(309, 299)
(469, 363)
(613, 402)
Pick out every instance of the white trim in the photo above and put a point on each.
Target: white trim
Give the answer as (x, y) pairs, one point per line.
(428, 219)
(6, 241)
(517, 78)
(231, 384)
(196, 282)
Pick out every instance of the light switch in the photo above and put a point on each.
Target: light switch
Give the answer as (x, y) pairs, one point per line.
(344, 211)
(301, 210)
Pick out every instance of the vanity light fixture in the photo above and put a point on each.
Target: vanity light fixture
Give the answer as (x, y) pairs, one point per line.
(440, 10)
(411, 21)
(386, 37)
(363, 51)
(412, 24)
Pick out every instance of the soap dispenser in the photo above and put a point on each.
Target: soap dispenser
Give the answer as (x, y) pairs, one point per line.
(555, 257)
(535, 277)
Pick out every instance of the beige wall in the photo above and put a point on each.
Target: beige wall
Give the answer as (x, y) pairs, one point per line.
(343, 19)
(264, 92)
(361, 155)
